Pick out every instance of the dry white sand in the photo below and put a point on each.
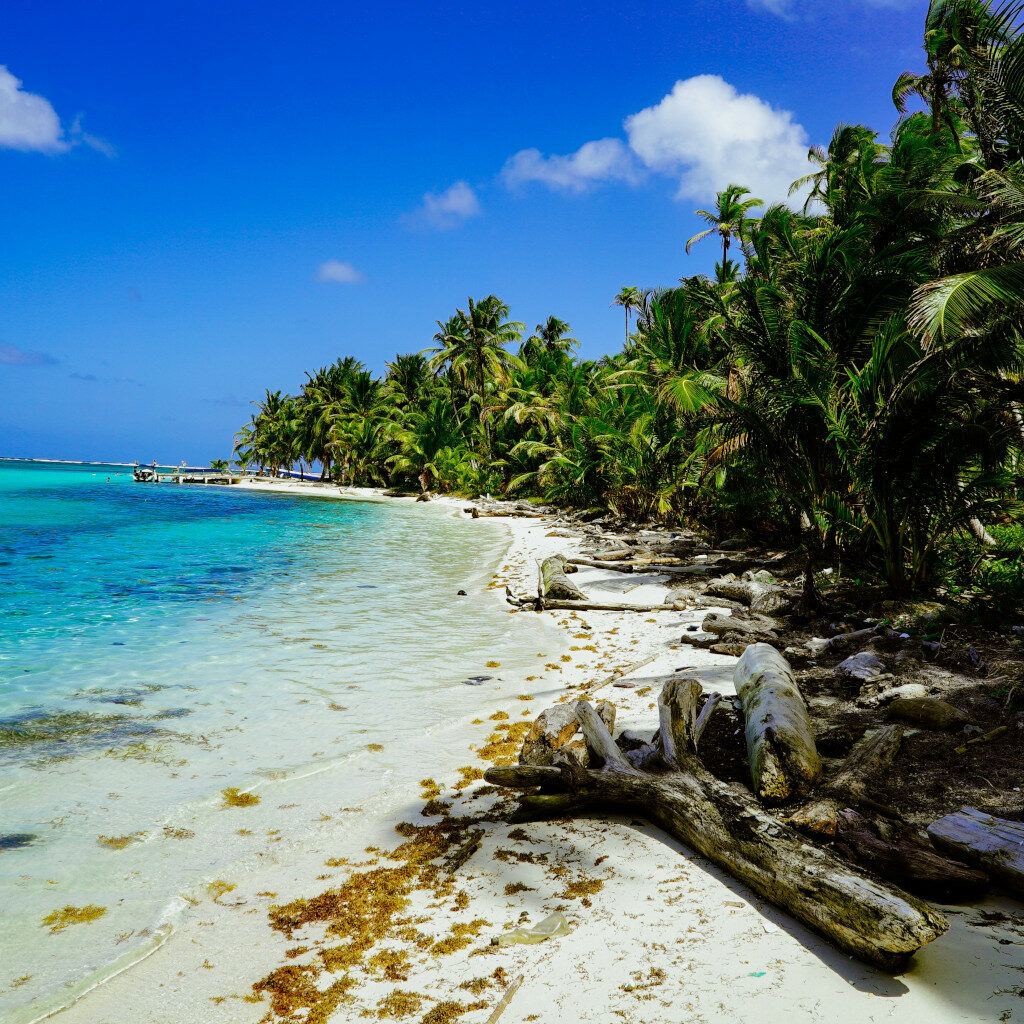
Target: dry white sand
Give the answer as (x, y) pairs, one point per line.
(664, 938)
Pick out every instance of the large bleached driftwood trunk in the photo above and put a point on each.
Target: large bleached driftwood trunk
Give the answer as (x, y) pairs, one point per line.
(869, 919)
(784, 761)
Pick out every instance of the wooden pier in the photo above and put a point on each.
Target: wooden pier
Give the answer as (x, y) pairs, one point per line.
(186, 475)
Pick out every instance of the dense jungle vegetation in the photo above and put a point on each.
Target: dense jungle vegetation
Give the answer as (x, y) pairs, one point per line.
(849, 378)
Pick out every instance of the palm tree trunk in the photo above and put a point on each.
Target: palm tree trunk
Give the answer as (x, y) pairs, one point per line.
(480, 390)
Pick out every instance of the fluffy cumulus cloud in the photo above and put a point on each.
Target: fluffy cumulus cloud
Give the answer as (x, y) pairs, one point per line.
(594, 162)
(710, 135)
(703, 133)
(27, 122)
(338, 272)
(13, 356)
(447, 209)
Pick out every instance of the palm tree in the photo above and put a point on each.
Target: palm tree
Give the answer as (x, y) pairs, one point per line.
(550, 338)
(472, 345)
(409, 381)
(728, 219)
(423, 438)
(629, 298)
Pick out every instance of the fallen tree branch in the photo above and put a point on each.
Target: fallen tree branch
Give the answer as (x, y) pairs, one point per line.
(592, 564)
(999, 730)
(586, 606)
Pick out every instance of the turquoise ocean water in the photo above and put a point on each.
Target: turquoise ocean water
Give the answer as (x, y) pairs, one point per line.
(160, 643)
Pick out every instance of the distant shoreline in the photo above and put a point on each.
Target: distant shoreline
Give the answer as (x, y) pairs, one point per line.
(64, 462)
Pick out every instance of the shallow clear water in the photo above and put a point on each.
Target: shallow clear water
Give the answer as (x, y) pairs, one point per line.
(161, 643)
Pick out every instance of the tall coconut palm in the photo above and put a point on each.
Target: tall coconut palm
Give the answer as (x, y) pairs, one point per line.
(629, 298)
(728, 219)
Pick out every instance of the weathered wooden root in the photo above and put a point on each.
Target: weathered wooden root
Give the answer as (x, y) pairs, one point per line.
(871, 920)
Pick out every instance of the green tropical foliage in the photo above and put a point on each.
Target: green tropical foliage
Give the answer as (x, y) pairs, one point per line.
(849, 377)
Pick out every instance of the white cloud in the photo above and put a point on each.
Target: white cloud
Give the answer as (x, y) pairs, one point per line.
(27, 122)
(703, 132)
(337, 272)
(591, 164)
(10, 355)
(711, 136)
(448, 209)
(780, 8)
(793, 10)
(79, 136)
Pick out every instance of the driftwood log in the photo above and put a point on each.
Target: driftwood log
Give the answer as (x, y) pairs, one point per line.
(590, 563)
(894, 850)
(759, 596)
(861, 916)
(743, 624)
(927, 713)
(995, 844)
(555, 584)
(784, 761)
(584, 606)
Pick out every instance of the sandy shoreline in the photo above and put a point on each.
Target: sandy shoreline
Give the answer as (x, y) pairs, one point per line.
(656, 933)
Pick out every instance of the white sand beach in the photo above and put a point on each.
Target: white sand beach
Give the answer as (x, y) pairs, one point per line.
(656, 934)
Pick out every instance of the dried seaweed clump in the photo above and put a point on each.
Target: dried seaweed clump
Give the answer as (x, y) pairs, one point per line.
(476, 985)
(502, 746)
(234, 797)
(435, 808)
(582, 889)
(292, 988)
(468, 775)
(462, 934)
(120, 842)
(365, 909)
(399, 1004)
(58, 920)
(391, 964)
(219, 888)
(448, 1011)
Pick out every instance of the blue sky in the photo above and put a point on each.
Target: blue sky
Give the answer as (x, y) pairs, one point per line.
(198, 201)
